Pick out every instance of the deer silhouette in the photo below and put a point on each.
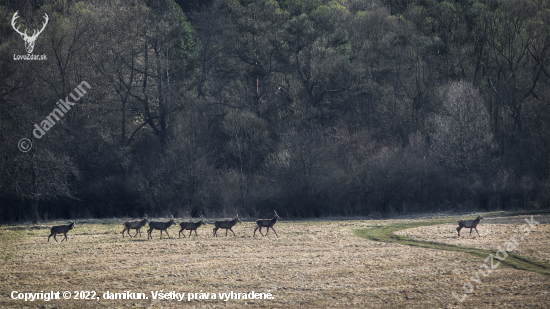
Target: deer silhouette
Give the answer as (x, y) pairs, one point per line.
(135, 225)
(190, 226)
(227, 225)
(162, 226)
(60, 229)
(268, 223)
(471, 224)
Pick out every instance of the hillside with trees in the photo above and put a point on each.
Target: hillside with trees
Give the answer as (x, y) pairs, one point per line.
(309, 107)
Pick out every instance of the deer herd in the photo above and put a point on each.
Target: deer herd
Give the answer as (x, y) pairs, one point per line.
(224, 224)
(163, 226)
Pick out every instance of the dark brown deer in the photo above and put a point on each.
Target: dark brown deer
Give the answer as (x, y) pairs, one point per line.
(469, 224)
(269, 223)
(190, 226)
(162, 226)
(60, 229)
(135, 225)
(227, 225)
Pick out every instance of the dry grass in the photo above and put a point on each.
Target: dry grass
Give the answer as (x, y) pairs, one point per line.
(312, 264)
(494, 232)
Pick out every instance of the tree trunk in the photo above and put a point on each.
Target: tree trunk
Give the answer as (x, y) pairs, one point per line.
(34, 211)
(34, 207)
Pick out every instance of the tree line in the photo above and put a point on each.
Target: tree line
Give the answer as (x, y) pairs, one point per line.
(308, 107)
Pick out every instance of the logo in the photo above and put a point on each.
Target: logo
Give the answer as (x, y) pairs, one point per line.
(63, 107)
(29, 40)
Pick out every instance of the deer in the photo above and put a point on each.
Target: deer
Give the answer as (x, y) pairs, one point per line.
(162, 226)
(190, 226)
(269, 223)
(60, 229)
(227, 225)
(29, 40)
(135, 225)
(471, 224)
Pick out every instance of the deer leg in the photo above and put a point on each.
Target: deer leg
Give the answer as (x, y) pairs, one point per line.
(55, 237)
(267, 231)
(226, 230)
(195, 233)
(49, 237)
(255, 231)
(179, 234)
(274, 231)
(470, 232)
(139, 230)
(136, 233)
(231, 232)
(477, 232)
(65, 237)
(166, 231)
(123, 233)
(458, 230)
(214, 230)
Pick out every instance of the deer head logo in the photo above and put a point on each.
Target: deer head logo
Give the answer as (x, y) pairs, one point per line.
(29, 40)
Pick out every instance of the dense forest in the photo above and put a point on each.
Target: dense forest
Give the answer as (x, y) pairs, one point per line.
(309, 107)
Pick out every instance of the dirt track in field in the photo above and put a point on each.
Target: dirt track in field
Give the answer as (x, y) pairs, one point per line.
(312, 265)
(494, 233)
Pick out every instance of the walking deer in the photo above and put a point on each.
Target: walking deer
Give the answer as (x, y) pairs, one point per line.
(60, 229)
(190, 226)
(162, 226)
(471, 224)
(269, 223)
(135, 225)
(227, 225)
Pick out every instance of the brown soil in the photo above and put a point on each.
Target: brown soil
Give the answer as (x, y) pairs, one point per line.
(311, 265)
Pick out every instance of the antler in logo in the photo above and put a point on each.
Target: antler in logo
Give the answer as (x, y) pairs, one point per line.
(29, 40)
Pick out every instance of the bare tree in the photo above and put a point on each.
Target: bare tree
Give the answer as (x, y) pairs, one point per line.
(43, 175)
(463, 140)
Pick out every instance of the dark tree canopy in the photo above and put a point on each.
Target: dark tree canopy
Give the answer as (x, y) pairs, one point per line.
(312, 108)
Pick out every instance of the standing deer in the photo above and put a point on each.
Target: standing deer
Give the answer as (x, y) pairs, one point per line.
(269, 223)
(190, 226)
(60, 229)
(471, 224)
(29, 40)
(135, 225)
(227, 225)
(162, 226)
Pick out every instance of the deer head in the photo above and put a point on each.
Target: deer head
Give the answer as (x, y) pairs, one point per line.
(29, 40)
